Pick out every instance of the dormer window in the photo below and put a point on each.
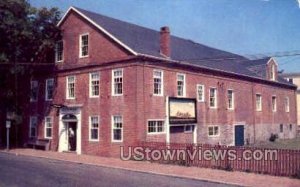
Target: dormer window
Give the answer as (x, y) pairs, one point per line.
(84, 45)
(273, 72)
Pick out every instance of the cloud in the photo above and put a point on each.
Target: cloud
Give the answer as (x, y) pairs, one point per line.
(298, 3)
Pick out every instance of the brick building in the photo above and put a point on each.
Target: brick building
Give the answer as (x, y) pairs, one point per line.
(295, 79)
(116, 83)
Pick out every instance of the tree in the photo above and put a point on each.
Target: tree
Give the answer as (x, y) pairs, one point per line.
(28, 37)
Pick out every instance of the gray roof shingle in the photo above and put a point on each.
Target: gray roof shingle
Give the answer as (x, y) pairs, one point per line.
(146, 41)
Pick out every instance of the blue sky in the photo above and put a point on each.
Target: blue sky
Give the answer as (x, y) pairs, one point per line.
(246, 27)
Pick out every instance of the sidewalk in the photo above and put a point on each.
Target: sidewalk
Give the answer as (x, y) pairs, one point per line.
(212, 175)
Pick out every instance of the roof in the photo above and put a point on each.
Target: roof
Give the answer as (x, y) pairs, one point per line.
(145, 41)
(291, 75)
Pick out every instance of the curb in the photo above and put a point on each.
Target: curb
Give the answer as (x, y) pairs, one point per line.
(128, 169)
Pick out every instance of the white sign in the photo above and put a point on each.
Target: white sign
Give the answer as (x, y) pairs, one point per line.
(8, 124)
(182, 110)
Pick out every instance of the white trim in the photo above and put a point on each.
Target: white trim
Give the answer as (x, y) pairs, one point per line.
(162, 82)
(45, 127)
(167, 125)
(155, 133)
(62, 58)
(213, 126)
(98, 26)
(46, 89)
(112, 130)
(233, 103)
(260, 108)
(67, 87)
(195, 134)
(80, 45)
(203, 92)
(233, 130)
(113, 82)
(287, 104)
(90, 128)
(272, 59)
(216, 98)
(184, 84)
(90, 85)
(274, 110)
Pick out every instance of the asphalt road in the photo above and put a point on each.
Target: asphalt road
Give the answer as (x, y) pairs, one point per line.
(31, 171)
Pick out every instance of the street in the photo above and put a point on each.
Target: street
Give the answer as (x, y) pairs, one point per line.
(31, 171)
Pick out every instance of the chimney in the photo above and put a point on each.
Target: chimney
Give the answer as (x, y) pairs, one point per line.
(165, 47)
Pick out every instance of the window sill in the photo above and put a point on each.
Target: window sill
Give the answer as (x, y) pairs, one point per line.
(93, 141)
(81, 57)
(117, 141)
(156, 133)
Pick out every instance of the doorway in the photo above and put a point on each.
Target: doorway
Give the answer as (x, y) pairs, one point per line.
(239, 135)
(71, 135)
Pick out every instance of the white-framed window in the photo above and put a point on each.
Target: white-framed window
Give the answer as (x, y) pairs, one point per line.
(59, 51)
(84, 45)
(281, 128)
(213, 131)
(48, 127)
(94, 84)
(32, 126)
(181, 85)
(158, 82)
(200, 93)
(94, 128)
(213, 97)
(188, 128)
(34, 91)
(287, 104)
(156, 126)
(274, 104)
(273, 73)
(258, 100)
(49, 89)
(117, 82)
(230, 97)
(117, 129)
(70, 87)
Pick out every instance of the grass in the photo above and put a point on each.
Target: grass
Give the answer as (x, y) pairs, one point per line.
(280, 144)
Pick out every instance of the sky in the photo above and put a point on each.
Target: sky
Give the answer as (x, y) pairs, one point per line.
(247, 27)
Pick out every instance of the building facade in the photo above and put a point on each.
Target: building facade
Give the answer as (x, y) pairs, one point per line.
(116, 84)
(295, 79)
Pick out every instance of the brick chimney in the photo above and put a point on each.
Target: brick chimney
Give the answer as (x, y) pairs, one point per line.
(165, 47)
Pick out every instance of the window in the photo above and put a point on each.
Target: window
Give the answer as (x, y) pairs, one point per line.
(117, 87)
(49, 89)
(281, 128)
(94, 84)
(290, 80)
(48, 127)
(200, 93)
(273, 72)
(258, 102)
(188, 128)
(59, 51)
(213, 131)
(33, 91)
(71, 87)
(32, 126)
(181, 85)
(274, 104)
(157, 82)
(230, 97)
(94, 128)
(213, 97)
(155, 126)
(287, 104)
(117, 129)
(291, 127)
(84, 45)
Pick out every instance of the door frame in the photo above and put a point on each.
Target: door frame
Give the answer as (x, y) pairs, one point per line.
(233, 129)
(61, 128)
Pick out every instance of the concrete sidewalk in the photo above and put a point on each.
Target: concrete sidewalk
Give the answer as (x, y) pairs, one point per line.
(212, 175)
